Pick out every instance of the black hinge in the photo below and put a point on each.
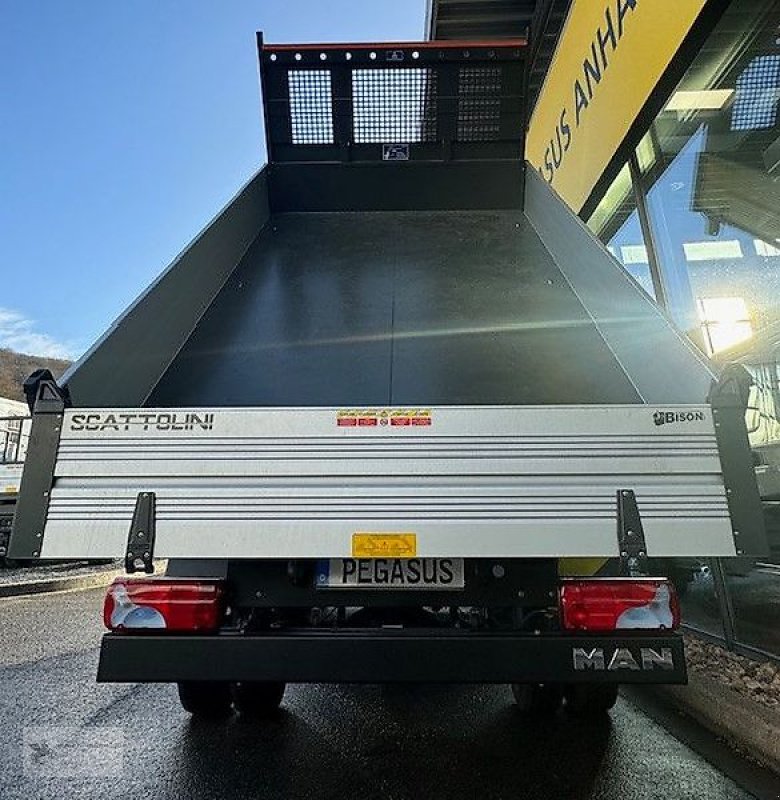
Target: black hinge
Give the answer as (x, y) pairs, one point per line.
(631, 535)
(140, 541)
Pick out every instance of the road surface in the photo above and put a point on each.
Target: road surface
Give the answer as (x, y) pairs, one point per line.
(63, 736)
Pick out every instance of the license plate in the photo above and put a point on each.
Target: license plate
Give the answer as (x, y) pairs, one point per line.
(390, 573)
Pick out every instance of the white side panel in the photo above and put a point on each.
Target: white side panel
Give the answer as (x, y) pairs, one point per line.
(469, 481)
(10, 478)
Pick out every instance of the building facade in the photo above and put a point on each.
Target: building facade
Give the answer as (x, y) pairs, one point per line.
(658, 124)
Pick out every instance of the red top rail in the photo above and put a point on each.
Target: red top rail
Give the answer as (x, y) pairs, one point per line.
(449, 44)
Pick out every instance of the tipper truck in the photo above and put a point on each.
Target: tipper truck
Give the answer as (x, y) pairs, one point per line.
(395, 415)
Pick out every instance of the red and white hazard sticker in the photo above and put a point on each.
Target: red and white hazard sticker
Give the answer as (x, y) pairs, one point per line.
(374, 417)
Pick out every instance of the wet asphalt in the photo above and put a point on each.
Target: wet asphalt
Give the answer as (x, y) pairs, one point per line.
(64, 736)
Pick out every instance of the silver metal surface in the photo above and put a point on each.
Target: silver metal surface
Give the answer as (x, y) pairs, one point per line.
(475, 481)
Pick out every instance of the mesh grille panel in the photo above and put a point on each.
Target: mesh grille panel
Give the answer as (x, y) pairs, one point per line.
(394, 105)
(755, 105)
(479, 104)
(311, 107)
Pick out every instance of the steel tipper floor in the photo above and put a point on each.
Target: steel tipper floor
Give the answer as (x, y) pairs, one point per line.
(63, 736)
(395, 308)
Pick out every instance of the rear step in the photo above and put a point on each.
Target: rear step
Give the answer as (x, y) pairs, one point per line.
(382, 656)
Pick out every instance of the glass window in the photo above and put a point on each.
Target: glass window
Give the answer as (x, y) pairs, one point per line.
(698, 598)
(616, 222)
(755, 103)
(710, 168)
(754, 588)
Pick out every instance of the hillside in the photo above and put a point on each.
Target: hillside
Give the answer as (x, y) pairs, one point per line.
(15, 367)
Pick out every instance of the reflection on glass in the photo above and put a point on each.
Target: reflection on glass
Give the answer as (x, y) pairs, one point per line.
(616, 222)
(711, 173)
(696, 589)
(763, 414)
(754, 588)
(725, 321)
(710, 170)
(755, 106)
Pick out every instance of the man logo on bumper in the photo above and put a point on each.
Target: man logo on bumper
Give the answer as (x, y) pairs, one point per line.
(622, 658)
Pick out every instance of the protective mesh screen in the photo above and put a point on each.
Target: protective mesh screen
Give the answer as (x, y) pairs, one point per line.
(755, 104)
(479, 104)
(311, 107)
(394, 105)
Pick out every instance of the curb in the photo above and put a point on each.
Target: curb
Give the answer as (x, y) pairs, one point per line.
(92, 580)
(750, 727)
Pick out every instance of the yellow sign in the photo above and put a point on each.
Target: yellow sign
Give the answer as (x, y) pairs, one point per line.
(384, 545)
(609, 59)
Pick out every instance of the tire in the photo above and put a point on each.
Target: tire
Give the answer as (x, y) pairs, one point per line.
(205, 699)
(537, 698)
(258, 699)
(590, 700)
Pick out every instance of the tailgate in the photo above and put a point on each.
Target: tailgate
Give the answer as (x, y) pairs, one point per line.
(509, 481)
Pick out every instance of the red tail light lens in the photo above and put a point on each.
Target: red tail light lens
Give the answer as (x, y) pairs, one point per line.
(163, 603)
(619, 604)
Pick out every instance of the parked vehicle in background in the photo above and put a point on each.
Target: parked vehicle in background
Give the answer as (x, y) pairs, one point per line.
(14, 438)
(760, 355)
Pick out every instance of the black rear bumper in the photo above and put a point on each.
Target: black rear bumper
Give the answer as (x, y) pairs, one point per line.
(393, 656)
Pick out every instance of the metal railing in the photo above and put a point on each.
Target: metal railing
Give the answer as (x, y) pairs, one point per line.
(14, 438)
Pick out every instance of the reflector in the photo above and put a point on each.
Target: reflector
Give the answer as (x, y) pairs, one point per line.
(175, 605)
(610, 604)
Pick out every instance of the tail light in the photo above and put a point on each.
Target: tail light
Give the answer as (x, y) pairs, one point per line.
(163, 603)
(619, 604)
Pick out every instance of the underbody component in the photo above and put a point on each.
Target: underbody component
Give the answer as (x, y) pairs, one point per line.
(379, 656)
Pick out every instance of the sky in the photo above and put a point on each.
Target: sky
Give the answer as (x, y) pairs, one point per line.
(125, 126)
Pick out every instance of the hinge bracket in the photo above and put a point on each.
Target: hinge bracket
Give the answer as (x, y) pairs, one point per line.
(140, 541)
(631, 535)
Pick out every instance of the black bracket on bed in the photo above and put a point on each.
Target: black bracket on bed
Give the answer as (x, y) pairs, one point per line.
(631, 536)
(44, 395)
(47, 402)
(729, 397)
(140, 541)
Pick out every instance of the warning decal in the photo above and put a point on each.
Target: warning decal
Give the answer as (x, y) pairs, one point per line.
(372, 417)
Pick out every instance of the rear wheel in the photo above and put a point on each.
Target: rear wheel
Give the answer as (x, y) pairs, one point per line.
(257, 699)
(537, 698)
(205, 699)
(591, 700)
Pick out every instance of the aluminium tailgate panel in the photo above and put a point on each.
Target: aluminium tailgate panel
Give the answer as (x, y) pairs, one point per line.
(467, 481)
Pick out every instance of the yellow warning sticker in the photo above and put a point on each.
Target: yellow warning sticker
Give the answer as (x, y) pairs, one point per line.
(384, 545)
